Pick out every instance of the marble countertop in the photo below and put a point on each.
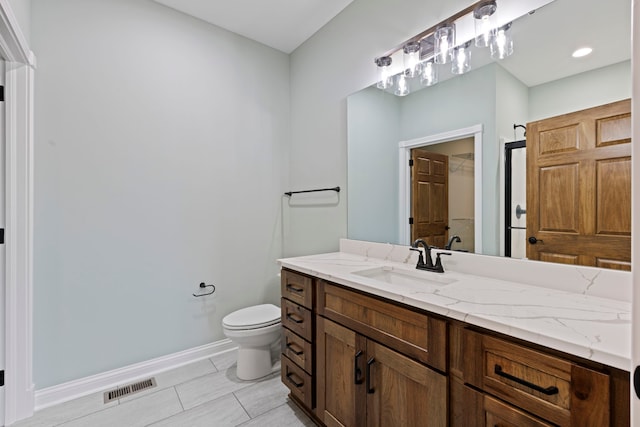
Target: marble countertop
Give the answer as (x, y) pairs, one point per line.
(587, 326)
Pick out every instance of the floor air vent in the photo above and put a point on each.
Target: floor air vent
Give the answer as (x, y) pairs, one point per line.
(128, 389)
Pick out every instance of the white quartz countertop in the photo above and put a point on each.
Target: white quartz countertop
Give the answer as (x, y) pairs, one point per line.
(587, 326)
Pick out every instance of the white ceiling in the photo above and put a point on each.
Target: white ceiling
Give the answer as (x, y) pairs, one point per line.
(280, 24)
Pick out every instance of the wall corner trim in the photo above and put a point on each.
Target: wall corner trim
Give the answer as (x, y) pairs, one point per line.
(64, 392)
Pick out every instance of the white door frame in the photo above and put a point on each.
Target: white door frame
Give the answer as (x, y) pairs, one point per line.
(19, 73)
(404, 192)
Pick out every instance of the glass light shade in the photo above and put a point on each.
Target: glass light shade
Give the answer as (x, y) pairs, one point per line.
(460, 59)
(385, 79)
(502, 44)
(444, 39)
(429, 74)
(402, 86)
(411, 58)
(485, 23)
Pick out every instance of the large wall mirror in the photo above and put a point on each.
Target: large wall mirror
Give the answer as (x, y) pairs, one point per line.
(470, 118)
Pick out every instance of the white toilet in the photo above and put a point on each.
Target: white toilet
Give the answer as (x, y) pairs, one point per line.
(254, 329)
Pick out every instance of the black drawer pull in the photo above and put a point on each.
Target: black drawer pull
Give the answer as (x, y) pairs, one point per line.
(551, 390)
(295, 318)
(357, 373)
(370, 389)
(298, 384)
(292, 288)
(291, 346)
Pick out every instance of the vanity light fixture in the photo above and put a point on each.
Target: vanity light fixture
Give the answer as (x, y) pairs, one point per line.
(411, 58)
(402, 86)
(502, 44)
(460, 59)
(429, 74)
(444, 40)
(583, 51)
(485, 22)
(385, 79)
(449, 40)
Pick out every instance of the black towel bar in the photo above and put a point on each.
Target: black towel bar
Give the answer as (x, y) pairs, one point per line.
(289, 193)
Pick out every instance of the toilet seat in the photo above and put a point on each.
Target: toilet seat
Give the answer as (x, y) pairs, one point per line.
(255, 317)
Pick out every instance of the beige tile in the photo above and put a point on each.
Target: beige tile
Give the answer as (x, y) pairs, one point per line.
(176, 376)
(223, 412)
(287, 415)
(209, 387)
(263, 396)
(67, 411)
(136, 413)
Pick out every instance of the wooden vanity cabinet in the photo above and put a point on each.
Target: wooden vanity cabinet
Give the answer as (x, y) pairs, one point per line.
(501, 382)
(361, 382)
(298, 332)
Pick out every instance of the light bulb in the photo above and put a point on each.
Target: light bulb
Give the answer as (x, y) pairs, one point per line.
(429, 74)
(402, 87)
(502, 44)
(444, 39)
(385, 80)
(485, 22)
(461, 56)
(411, 58)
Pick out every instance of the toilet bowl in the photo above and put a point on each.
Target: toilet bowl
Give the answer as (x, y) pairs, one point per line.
(254, 329)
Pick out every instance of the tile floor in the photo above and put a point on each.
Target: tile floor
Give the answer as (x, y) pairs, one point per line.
(205, 393)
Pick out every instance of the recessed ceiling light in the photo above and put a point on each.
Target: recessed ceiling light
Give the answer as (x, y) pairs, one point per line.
(583, 51)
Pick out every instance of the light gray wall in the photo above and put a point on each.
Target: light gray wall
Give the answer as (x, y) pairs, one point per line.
(161, 152)
(336, 62)
(22, 10)
(374, 133)
(605, 85)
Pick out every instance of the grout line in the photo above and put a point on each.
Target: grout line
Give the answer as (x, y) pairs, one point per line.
(242, 406)
(178, 394)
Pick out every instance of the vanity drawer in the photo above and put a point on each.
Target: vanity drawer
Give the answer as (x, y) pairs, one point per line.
(297, 349)
(298, 381)
(548, 386)
(297, 287)
(297, 319)
(412, 333)
(499, 414)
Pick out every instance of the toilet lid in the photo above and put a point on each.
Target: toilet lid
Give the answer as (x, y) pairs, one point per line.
(253, 317)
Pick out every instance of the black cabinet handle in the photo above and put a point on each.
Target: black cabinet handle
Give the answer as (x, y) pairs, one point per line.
(551, 390)
(294, 319)
(370, 389)
(357, 373)
(292, 288)
(291, 346)
(298, 384)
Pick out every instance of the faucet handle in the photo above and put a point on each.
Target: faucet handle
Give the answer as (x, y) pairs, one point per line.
(439, 268)
(420, 258)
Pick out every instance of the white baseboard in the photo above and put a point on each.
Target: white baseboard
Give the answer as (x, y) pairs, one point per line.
(64, 392)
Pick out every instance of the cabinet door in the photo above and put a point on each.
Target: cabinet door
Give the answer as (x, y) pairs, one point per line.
(340, 375)
(402, 392)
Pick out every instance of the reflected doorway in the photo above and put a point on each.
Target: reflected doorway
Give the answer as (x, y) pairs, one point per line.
(515, 233)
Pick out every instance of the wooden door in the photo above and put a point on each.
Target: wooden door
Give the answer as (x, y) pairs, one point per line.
(579, 187)
(402, 392)
(340, 375)
(430, 197)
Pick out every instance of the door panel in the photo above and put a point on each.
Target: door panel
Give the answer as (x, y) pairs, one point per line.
(340, 400)
(579, 187)
(430, 197)
(402, 392)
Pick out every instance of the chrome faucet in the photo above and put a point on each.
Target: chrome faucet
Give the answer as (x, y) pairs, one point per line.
(451, 240)
(428, 265)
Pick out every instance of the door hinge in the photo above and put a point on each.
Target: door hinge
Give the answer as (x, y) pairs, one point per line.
(410, 220)
(410, 162)
(1, 93)
(1, 378)
(1, 236)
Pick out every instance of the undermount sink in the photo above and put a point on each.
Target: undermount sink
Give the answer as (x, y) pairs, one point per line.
(402, 277)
